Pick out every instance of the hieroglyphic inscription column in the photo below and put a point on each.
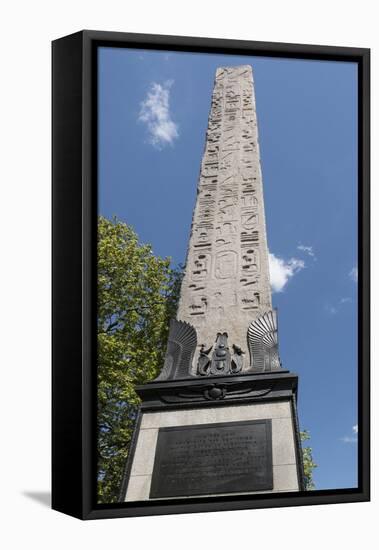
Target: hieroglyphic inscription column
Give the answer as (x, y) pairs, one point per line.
(226, 283)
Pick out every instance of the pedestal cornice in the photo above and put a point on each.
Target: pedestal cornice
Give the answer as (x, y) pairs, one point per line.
(217, 390)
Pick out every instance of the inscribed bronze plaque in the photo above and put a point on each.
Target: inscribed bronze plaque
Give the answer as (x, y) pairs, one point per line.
(207, 459)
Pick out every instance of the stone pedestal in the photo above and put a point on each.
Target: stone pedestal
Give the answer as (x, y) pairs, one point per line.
(217, 423)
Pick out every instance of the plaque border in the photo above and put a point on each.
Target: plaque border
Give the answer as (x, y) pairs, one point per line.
(74, 176)
(160, 451)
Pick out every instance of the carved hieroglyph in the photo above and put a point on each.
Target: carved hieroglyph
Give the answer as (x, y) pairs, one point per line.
(226, 283)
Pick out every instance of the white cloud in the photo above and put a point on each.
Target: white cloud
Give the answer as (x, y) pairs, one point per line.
(351, 438)
(155, 113)
(331, 309)
(354, 274)
(307, 250)
(281, 271)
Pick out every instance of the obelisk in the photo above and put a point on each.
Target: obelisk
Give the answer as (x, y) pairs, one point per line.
(226, 283)
(221, 417)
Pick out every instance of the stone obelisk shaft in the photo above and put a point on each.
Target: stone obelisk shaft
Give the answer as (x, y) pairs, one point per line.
(226, 283)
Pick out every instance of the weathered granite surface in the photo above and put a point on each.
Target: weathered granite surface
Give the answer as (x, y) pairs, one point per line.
(226, 283)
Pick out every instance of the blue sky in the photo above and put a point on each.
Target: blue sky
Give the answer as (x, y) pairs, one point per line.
(153, 112)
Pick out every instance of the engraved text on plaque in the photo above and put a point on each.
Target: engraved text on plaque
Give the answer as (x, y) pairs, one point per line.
(208, 459)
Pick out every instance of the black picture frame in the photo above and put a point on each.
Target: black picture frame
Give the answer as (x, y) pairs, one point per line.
(74, 204)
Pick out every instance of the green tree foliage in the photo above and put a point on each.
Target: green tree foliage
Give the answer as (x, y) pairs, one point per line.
(308, 463)
(137, 295)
